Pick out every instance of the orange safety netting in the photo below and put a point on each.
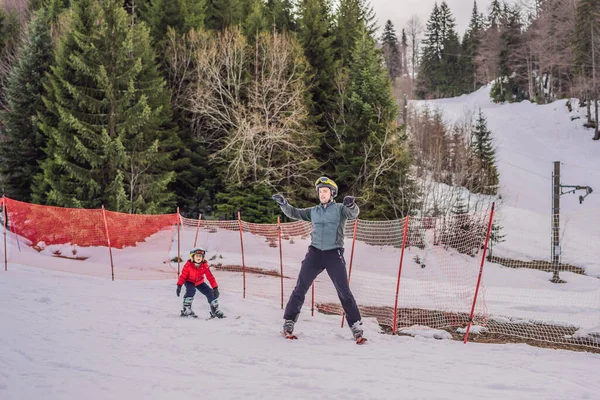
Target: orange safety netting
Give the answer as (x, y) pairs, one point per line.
(420, 271)
(77, 240)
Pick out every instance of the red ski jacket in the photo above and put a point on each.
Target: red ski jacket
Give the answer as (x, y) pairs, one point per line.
(195, 274)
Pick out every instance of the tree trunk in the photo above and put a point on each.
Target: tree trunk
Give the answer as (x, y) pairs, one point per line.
(588, 106)
(596, 132)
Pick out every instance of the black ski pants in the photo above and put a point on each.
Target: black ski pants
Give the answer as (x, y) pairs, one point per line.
(313, 264)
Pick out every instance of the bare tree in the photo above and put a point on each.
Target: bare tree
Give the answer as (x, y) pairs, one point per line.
(257, 126)
(487, 60)
(414, 30)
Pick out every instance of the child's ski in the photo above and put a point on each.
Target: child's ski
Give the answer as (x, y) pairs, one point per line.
(361, 340)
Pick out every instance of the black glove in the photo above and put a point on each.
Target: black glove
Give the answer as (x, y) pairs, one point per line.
(216, 292)
(178, 291)
(279, 199)
(349, 201)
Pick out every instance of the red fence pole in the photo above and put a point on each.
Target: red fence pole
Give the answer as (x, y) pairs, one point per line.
(243, 261)
(487, 237)
(399, 273)
(112, 265)
(351, 258)
(197, 229)
(5, 218)
(280, 258)
(178, 242)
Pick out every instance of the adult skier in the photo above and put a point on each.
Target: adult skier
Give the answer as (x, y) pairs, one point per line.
(326, 252)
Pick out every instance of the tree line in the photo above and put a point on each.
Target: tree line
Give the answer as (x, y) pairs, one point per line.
(211, 106)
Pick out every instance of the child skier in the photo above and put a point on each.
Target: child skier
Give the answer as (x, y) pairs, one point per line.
(192, 276)
(326, 251)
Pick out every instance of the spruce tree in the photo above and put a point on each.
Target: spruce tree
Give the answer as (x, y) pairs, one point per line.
(495, 14)
(180, 15)
(372, 161)
(315, 35)
(22, 151)
(404, 52)
(587, 53)
(511, 85)
(280, 15)
(442, 67)
(391, 50)
(221, 14)
(470, 47)
(108, 142)
(352, 17)
(428, 77)
(484, 172)
(257, 21)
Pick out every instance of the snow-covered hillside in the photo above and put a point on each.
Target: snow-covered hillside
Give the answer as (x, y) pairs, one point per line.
(67, 336)
(528, 139)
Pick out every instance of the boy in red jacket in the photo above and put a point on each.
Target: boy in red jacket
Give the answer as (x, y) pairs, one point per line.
(192, 276)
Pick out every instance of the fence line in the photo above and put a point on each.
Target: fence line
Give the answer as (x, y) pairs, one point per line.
(434, 258)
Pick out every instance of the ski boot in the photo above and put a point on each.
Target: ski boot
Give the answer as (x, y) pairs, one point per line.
(357, 332)
(187, 308)
(214, 310)
(288, 329)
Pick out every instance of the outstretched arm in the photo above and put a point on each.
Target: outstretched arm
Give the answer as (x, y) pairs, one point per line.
(292, 212)
(350, 209)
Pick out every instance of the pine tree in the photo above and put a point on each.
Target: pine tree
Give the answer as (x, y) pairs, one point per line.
(484, 172)
(496, 236)
(257, 21)
(372, 160)
(108, 142)
(511, 85)
(470, 46)
(224, 13)
(180, 15)
(442, 67)
(22, 151)
(391, 51)
(404, 52)
(280, 15)
(432, 54)
(315, 35)
(495, 14)
(587, 53)
(352, 17)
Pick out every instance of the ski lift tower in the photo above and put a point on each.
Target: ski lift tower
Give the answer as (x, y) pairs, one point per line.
(557, 191)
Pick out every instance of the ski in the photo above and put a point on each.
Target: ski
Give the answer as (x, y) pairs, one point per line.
(290, 336)
(361, 340)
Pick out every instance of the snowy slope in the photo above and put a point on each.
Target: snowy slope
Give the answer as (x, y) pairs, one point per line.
(67, 336)
(528, 139)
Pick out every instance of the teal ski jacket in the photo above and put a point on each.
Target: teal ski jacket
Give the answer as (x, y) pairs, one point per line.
(328, 221)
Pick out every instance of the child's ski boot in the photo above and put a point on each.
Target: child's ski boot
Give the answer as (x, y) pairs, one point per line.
(214, 310)
(187, 308)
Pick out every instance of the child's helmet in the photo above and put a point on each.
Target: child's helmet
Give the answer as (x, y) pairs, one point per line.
(326, 182)
(197, 250)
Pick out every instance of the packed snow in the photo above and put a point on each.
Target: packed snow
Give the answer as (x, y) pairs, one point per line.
(68, 336)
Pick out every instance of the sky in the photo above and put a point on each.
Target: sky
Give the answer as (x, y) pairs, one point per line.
(400, 11)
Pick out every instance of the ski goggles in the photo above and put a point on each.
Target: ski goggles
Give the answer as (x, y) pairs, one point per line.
(325, 181)
(199, 252)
